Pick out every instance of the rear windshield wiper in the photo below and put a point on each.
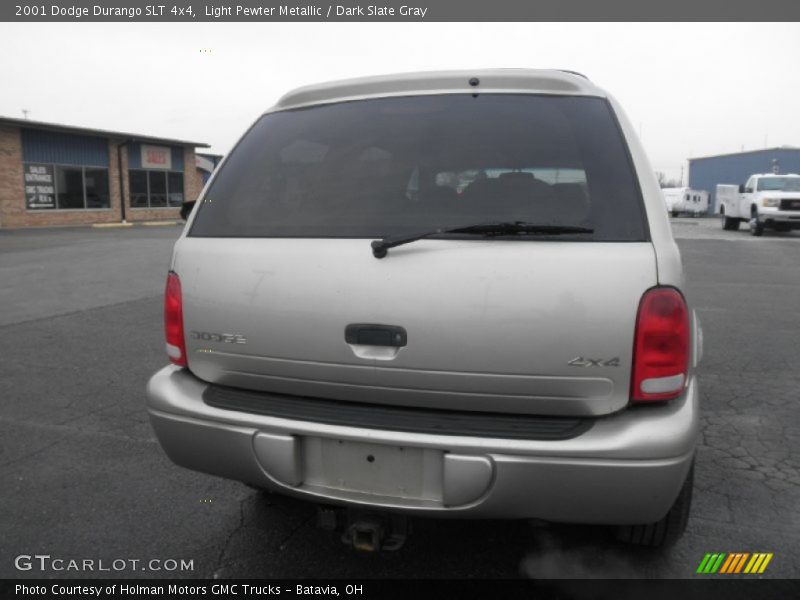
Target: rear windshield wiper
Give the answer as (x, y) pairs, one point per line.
(380, 247)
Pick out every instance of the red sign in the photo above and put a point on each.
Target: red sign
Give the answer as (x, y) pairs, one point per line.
(156, 157)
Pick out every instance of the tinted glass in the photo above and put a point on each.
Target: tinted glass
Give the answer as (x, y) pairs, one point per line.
(158, 188)
(138, 188)
(175, 182)
(97, 195)
(393, 166)
(779, 184)
(69, 186)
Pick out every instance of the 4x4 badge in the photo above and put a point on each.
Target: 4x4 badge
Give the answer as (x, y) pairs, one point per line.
(580, 361)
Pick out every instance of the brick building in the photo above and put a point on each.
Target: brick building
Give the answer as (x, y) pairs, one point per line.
(53, 175)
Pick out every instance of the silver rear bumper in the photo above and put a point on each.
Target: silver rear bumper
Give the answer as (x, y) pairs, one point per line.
(626, 469)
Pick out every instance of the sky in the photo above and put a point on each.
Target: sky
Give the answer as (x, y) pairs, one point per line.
(691, 89)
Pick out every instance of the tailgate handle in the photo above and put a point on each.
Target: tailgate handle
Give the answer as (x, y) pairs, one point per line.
(368, 334)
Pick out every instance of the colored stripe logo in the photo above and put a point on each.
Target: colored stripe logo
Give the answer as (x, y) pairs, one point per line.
(734, 562)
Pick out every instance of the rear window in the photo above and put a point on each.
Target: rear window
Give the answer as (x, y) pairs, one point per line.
(395, 166)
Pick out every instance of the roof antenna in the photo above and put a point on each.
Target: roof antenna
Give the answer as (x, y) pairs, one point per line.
(25, 112)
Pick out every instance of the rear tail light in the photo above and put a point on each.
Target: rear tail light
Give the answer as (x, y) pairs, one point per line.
(661, 346)
(173, 320)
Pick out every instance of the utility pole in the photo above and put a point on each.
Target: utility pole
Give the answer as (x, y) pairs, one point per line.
(25, 112)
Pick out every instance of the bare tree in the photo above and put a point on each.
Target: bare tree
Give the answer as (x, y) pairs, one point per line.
(663, 182)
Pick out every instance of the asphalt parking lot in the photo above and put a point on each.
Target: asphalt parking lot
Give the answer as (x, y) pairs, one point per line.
(82, 476)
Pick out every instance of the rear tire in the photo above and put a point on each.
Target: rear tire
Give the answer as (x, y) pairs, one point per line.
(668, 530)
(730, 224)
(258, 488)
(756, 226)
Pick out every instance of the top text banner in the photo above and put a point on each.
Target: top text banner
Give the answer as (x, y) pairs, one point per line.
(408, 11)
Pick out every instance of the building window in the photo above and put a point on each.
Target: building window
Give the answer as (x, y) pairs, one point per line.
(155, 189)
(96, 186)
(175, 181)
(66, 187)
(138, 188)
(69, 187)
(158, 189)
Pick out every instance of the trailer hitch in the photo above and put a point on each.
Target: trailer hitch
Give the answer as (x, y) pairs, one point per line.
(366, 531)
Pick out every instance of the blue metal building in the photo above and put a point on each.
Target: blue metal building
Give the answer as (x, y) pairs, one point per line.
(206, 163)
(706, 172)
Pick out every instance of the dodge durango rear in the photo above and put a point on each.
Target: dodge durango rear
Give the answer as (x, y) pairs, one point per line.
(445, 294)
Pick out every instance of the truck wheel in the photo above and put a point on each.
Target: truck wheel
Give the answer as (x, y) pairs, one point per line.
(756, 226)
(730, 224)
(668, 530)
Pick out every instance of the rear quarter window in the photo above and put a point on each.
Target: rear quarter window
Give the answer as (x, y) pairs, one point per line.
(392, 166)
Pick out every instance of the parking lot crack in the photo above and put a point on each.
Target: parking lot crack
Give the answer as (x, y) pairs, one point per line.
(292, 533)
(32, 454)
(229, 539)
(76, 312)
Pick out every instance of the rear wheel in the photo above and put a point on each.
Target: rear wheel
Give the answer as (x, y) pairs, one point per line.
(728, 223)
(668, 530)
(756, 226)
(258, 488)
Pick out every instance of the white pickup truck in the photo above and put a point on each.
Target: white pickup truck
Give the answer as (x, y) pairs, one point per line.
(766, 201)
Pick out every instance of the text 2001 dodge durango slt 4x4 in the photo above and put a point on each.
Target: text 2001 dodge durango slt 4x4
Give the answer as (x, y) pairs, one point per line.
(446, 294)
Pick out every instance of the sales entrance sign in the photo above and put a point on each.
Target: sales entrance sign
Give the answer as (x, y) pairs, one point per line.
(40, 192)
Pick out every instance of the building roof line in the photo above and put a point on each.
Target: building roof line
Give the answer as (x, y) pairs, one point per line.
(760, 150)
(134, 137)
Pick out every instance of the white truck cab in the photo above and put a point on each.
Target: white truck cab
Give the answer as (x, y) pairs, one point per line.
(766, 201)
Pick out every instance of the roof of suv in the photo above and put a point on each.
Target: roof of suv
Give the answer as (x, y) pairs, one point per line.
(441, 82)
(775, 175)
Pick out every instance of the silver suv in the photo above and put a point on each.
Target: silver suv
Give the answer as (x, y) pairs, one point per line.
(445, 294)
